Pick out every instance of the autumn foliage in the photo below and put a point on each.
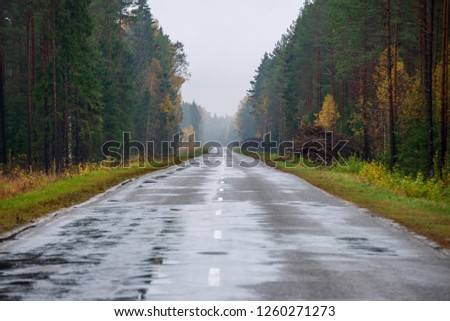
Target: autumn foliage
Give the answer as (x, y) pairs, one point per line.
(328, 116)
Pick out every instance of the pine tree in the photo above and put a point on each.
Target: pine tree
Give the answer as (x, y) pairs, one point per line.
(2, 90)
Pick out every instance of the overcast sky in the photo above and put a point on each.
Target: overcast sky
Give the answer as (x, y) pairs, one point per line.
(224, 41)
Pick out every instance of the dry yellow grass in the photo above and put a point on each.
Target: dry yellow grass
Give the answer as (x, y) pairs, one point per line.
(12, 185)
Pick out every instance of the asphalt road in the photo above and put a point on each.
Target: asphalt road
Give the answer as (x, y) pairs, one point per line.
(220, 233)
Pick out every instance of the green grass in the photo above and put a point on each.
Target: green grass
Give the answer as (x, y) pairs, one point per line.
(27, 207)
(427, 217)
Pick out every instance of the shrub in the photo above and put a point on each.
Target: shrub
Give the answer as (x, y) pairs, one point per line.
(377, 174)
(354, 165)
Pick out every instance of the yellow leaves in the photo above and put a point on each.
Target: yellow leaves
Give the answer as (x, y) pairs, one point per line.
(355, 122)
(261, 113)
(413, 104)
(152, 74)
(437, 83)
(262, 108)
(172, 112)
(377, 112)
(400, 78)
(376, 174)
(188, 131)
(373, 172)
(265, 105)
(329, 115)
(166, 105)
(177, 82)
(80, 169)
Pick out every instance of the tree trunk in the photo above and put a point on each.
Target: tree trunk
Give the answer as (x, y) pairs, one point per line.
(365, 118)
(318, 80)
(444, 88)
(68, 120)
(46, 138)
(392, 146)
(426, 23)
(33, 47)
(436, 36)
(4, 158)
(110, 5)
(395, 93)
(45, 58)
(55, 126)
(429, 86)
(76, 132)
(28, 30)
(422, 40)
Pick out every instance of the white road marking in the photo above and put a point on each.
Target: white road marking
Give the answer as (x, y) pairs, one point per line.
(221, 190)
(220, 199)
(222, 182)
(217, 235)
(214, 277)
(218, 212)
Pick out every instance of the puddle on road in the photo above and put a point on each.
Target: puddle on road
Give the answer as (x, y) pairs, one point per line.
(145, 278)
(306, 204)
(71, 252)
(107, 209)
(142, 293)
(160, 248)
(363, 245)
(131, 295)
(213, 253)
(30, 259)
(18, 278)
(354, 239)
(168, 231)
(6, 265)
(65, 282)
(156, 260)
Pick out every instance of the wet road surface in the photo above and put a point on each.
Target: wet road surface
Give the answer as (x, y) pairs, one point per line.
(220, 233)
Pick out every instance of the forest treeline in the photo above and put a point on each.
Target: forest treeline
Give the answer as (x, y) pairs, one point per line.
(373, 69)
(207, 127)
(77, 73)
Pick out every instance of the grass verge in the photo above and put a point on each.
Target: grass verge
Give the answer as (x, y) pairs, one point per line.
(27, 207)
(430, 218)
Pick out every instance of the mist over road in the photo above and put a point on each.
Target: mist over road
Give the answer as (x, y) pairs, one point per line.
(220, 233)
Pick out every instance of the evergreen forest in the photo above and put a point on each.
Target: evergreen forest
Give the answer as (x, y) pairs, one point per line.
(376, 70)
(77, 73)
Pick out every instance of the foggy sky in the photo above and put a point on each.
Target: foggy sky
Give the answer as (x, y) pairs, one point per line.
(224, 41)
